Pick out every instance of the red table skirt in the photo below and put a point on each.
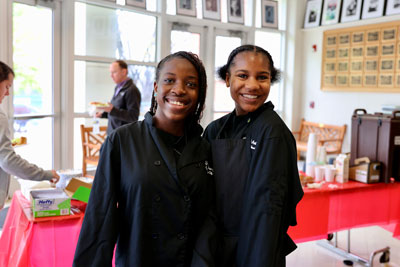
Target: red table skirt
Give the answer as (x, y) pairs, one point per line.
(350, 205)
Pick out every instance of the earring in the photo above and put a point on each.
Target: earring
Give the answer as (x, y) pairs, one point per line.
(155, 94)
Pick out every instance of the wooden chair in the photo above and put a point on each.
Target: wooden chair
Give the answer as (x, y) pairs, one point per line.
(329, 135)
(91, 144)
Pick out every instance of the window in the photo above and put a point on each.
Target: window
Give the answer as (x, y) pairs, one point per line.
(102, 35)
(33, 94)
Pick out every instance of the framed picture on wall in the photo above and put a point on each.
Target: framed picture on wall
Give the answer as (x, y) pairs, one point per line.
(138, 3)
(186, 7)
(373, 9)
(269, 14)
(313, 13)
(351, 10)
(330, 12)
(211, 9)
(392, 7)
(236, 11)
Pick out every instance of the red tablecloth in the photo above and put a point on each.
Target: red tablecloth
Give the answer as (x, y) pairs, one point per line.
(43, 242)
(350, 205)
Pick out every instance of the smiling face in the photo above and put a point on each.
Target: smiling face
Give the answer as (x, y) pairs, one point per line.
(5, 87)
(177, 91)
(249, 79)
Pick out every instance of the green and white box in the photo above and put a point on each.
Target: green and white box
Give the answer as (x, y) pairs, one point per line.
(50, 202)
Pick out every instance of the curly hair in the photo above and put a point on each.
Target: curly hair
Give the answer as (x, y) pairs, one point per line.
(224, 70)
(5, 71)
(198, 65)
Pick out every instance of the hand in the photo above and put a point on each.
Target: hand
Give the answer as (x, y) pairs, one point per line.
(108, 108)
(99, 114)
(56, 177)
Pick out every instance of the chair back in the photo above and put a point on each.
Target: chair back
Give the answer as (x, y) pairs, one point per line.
(91, 144)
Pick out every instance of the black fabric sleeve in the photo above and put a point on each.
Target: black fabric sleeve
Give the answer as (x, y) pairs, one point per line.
(99, 231)
(266, 211)
(132, 99)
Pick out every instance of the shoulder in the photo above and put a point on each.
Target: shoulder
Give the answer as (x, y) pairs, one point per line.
(128, 131)
(132, 86)
(269, 123)
(214, 127)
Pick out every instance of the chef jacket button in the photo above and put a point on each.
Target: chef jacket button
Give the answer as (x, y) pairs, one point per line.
(157, 198)
(155, 235)
(157, 163)
(186, 198)
(181, 236)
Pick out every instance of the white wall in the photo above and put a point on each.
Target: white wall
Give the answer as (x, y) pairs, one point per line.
(333, 107)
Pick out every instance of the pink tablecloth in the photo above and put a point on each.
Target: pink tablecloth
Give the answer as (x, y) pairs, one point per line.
(350, 205)
(25, 243)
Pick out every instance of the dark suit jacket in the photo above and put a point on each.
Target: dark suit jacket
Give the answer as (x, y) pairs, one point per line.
(126, 106)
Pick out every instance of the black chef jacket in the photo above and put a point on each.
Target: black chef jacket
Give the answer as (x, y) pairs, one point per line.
(145, 200)
(257, 222)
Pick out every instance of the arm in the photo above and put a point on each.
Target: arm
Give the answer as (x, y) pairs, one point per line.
(268, 206)
(100, 226)
(132, 99)
(12, 163)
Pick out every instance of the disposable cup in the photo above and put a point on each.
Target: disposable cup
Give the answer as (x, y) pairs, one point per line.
(319, 173)
(330, 172)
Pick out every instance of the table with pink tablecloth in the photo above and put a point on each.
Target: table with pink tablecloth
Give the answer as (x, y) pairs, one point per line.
(40, 242)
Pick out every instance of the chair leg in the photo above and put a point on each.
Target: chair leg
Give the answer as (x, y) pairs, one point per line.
(84, 172)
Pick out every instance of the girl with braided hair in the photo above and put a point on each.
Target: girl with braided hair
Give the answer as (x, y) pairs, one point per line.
(153, 186)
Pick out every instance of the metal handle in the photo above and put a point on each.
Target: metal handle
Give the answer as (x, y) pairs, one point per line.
(359, 109)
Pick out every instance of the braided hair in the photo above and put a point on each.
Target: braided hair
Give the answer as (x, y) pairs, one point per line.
(198, 65)
(5, 71)
(224, 70)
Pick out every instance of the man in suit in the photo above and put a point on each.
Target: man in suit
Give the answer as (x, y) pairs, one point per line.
(125, 103)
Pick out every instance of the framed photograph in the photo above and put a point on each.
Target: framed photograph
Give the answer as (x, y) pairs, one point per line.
(357, 38)
(212, 9)
(356, 65)
(386, 80)
(269, 14)
(344, 39)
(370, 80)
(373, 9)
(342, 80)
(356, 80)
(388, 49)
(373, 36)
(330, 12)
(343, 66)
(343, 53)
(351, 10)
(186, 7)
(389, 34)
(387, 64)
(371, 65)
(330, 53)
(357, 51)
(138, 3)
(330, 66)
(236, 11)
(331, 40)
(313, 13)
(398, 80)
(329, 80)
(398, 64)
(392, 7)
(372, 51)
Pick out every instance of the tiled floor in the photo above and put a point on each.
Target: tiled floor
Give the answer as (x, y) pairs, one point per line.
(363, 242)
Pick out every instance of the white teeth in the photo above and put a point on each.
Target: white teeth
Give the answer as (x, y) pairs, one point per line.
(250, 96)
(176, 103)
